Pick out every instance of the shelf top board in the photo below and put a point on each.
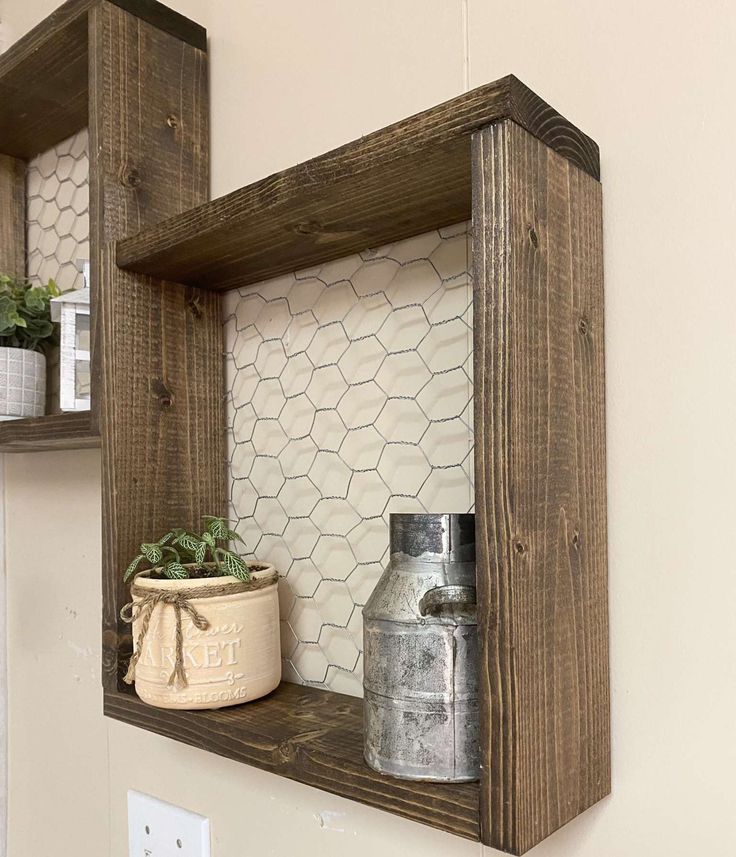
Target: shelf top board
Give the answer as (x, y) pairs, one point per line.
(44, 75)
(310, 735)
(405, 179)
(55, 431)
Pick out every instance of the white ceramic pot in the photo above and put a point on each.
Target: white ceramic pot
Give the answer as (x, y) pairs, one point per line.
(22, 383)
(237, 659)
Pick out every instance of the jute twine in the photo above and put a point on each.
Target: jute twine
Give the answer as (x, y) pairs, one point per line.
(180, 600)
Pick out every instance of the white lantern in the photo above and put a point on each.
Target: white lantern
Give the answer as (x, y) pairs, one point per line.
(71, 310)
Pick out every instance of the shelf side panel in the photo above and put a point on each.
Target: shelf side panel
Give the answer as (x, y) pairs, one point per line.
(157, 349)
(162, 426)
(12, 216)
(540, 487)
(149, 140)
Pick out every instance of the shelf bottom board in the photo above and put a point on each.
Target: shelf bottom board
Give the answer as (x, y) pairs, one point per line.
(312, 736)
(72, 430)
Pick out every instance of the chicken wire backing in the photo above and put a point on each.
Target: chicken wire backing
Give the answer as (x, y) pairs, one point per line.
(350, 397)
(57, 227)
(57, 211)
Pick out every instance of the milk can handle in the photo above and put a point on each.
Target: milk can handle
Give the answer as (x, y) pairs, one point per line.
(451, 595)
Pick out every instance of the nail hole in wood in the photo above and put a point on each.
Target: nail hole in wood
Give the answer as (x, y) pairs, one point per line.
(520, 548)
(492, 619)
(576, 539)
(130, 178)
(533, 236)
(194, 303)
(172, 121)
(583, 327)
(307, 228)
(161, 392)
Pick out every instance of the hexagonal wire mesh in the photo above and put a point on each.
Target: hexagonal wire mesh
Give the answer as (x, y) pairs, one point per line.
(57, 206)
(57, 225)
(350, 396)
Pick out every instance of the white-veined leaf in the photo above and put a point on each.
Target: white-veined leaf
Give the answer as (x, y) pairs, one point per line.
(152, 553)
(235, 566)
(188, 542)
(133, 566)
(217, 527)
(175, 571)
(208, 540)
(166, 539)
(201, 552)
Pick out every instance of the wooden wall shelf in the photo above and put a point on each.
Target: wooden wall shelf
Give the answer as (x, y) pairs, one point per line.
(528, 179)
(42, 434)
(59, 79)
(161, 254)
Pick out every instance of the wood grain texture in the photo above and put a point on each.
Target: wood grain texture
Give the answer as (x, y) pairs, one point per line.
(540, 487)
(149, 139)
(56, 431)
(312, 736)
(162, 426)
(43, 83)
(401, 181)
(166, 20)
(157, 347)
(12, 216)
(530, 111)
(43, 76)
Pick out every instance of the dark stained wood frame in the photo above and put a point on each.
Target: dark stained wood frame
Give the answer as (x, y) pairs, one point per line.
(529, 180)
(312, 736)
(45, 96)
(49, 433)
(44, 92)
(400, 181)
(540, 483)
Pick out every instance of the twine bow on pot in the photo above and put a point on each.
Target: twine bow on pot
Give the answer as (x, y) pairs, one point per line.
(144, 608)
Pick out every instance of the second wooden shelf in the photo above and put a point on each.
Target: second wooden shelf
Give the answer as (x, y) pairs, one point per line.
(54, 431)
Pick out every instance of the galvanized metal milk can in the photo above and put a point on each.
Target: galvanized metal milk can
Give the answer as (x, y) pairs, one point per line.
(420, 645)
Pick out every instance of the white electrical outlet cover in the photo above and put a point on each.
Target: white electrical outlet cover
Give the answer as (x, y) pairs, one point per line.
(160, 829)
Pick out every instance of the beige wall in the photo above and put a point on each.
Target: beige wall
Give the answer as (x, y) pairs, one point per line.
(651, 82)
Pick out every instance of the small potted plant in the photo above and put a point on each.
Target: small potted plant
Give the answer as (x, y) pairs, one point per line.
(205, 621)
(25, 328)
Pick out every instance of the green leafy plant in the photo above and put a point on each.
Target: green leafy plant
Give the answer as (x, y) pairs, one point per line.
(25, 313)
(179, 548)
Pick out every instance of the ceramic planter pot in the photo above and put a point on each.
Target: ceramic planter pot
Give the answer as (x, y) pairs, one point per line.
(22, 383)
(234, 659)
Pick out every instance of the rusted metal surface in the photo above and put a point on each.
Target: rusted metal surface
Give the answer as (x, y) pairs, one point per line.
(421, 653)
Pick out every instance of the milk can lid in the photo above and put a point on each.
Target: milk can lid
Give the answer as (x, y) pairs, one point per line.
(448, 537)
